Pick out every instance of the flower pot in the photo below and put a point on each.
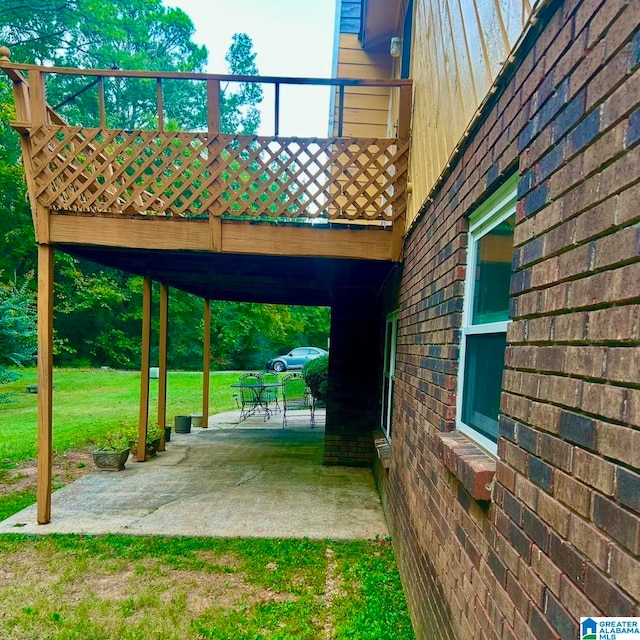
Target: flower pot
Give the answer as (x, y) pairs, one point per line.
(110, 460)
(167, 433)
(196, 419)
(182, 424)
(152, 447)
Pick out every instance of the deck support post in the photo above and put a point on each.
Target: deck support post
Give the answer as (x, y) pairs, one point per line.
(45, 381)
(404, 132)
(206, 359)
(162, 362)
(143, 418)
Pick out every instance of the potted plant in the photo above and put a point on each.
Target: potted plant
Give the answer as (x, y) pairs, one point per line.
(152, 443)
(111, 453)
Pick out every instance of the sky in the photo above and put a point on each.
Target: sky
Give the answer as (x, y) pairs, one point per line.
(291, 38)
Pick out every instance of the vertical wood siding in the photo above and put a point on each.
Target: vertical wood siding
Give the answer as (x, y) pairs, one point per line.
(459, 47)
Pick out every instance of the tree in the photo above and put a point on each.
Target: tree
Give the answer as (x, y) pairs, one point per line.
(17, 328)
(239, 113)
(98, 309)
(17, 255)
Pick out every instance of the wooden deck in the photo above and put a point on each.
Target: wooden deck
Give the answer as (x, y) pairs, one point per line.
(208, 191)
(223, 216)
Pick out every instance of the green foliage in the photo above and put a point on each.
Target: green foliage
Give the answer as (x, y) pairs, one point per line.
(17, 327)
(138, 34)
(98, 310)
(116, 440)
(239, 113)
(14, 502)
(316, 375)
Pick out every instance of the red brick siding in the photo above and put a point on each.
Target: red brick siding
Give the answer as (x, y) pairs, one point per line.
(562, 536)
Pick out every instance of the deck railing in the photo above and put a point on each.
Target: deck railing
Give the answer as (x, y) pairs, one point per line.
(109, 170)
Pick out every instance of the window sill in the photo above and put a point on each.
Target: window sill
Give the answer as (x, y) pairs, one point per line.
(475, 468)
(383, 447)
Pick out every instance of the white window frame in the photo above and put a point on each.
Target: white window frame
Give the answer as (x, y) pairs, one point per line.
(498, 207)
(389, 372)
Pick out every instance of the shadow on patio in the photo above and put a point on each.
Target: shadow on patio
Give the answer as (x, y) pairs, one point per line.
(253, 479)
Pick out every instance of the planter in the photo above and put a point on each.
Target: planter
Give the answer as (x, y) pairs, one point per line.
(167, 433)
(182, 424)
(110, 460)
(196, 419)
(152, 447)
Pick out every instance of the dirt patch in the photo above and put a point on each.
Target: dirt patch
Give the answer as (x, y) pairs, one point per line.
(226, 560)
(332, 590)
(65, 468)
(27, 565)
(104, 586)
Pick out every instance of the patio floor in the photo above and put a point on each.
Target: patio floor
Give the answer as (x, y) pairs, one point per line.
(253, 479)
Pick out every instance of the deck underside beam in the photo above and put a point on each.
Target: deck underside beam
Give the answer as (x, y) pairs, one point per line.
(336, 241)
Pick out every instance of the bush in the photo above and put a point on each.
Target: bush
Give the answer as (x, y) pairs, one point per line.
(316, 375)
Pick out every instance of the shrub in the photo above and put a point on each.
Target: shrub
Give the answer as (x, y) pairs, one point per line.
(316, 375)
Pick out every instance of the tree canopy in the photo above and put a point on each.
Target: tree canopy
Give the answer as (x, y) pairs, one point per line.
(97, 310)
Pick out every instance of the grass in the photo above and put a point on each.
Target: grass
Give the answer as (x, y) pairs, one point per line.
(90, 403)
(66, 586)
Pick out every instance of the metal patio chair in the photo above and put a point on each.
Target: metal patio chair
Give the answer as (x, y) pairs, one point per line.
(272, 394)
(295, 397)
(248, 400)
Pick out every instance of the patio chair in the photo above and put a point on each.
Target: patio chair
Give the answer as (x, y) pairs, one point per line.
(295, 397)
(248, 400)
(272, 394)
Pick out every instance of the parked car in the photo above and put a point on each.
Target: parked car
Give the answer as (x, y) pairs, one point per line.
(295, 359)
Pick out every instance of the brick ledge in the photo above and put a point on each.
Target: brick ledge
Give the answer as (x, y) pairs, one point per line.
(474, 467)
(383, 448)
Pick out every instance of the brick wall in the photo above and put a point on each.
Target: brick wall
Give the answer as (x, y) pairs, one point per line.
(561, 537)
(353, 380)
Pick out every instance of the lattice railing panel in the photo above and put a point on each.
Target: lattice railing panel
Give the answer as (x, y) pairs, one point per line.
(186, 174)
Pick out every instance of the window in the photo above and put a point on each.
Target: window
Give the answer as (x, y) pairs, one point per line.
(486, 316)
(390, 339)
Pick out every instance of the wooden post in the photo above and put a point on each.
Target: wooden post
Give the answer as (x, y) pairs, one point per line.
(160, 104)
(101, 104)
(213, 107)
(404, 131)
(45, 380)
(162, 363)
(404, 111)
(143, 420)
(213, 129)
(206, 357)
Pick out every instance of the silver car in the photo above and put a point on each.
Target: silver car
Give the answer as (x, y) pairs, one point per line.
(295, 359)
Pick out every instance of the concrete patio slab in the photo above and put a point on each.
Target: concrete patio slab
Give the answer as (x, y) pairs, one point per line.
(253, 479)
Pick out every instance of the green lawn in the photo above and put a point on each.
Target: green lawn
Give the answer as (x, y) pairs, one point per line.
(118, 587)
(63, 587)
(89, 403)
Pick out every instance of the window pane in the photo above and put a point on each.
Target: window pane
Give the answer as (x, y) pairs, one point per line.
(484, 362)
(493, 274)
